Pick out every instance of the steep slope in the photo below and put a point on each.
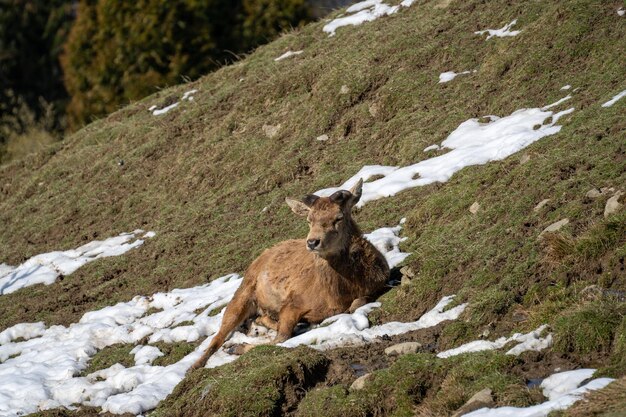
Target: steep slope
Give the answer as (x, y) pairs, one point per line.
(210, 177)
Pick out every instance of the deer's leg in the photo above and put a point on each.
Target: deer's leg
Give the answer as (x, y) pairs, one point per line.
(266, 321)
(288, 318)
(358, 302)
(241, 307)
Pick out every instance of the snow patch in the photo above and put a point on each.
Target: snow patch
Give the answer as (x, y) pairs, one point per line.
(287, 55)
(364, 11)
(445, 77)
(614, 99)
(23, 330)
(621, 11)
(558, 385)
(387, 241)
(502, 32)
(566, 87)
(158, 112)
(145, 354)
(556, 103)
(47, 267)
(526, 342)
(353, 329)
(562, 389)
(434, 147)
(188, 95)
(472, 143)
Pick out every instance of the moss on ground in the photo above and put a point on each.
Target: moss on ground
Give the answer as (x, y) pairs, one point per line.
(423, 384)
(590, 329)
(173, 352)
(109, 356)
(267, 381)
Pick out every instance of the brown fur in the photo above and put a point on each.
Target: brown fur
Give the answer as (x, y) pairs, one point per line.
(290, 282)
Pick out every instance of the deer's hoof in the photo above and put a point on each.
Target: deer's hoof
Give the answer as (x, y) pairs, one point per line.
(239, 348)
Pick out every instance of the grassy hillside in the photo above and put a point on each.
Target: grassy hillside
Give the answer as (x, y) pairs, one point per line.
(211, 181)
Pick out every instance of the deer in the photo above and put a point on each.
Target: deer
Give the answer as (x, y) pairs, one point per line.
(334, 270)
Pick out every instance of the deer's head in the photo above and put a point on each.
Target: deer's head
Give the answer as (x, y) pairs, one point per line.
(330, 219)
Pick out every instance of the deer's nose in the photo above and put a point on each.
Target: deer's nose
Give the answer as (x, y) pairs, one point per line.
(312, 244)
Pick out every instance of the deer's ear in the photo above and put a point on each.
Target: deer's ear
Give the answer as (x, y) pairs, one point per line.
(301, 208)
(356, 192)
(348, 198)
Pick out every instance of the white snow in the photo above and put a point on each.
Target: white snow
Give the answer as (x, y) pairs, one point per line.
(566, 87)
(434, 147)
(158, 112)
(556, 103)
(444, 77)
(287, 55)
(560, 384)
(188, 95)
(357, 7)
(472, 143)
(562, 390)
(502, 32)
(525, 342)
(145, 354)
(364, 11)
(47, 267)
(353, 329)
(387, 241)
(621, 11)
(23, 330)
(614, 99)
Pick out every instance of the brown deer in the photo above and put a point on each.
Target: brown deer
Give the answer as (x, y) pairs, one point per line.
(334, 270)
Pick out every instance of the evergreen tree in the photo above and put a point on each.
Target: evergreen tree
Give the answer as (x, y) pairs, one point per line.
(122, 51)
(32, 33)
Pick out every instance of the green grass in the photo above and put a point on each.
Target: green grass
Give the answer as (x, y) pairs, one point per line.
(201, 175)
(423, 382)
(273, 380)
(109, 356)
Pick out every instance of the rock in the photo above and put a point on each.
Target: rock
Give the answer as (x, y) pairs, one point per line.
(554, 227)
(595, 193)
(519, 316)
(359, 383)
(525, 158)
(322, 138)
(373, 109)
(344, 89)
(442, 4)
(270, 131)
(613, 204)
(403, 348)
(407, 271)
(405, 280)
(474, 207)
(479, 400)
(540, 205)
